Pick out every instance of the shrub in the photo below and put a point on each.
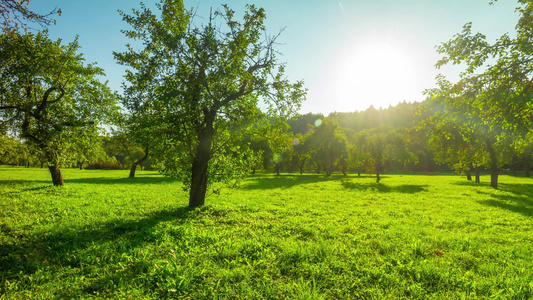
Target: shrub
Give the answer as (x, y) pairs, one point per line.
(104, 166)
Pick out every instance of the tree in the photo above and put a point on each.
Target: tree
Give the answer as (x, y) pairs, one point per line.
(270, 142)
(208, 80)
(85, 147)
(15, 14)
(301, 153)
(399, 153)
(384, 144)
(46, 89)
(460, 154)
(8, 150)
(497, 84)
(524, 153)
(468, 114)
(329, 145)
(136, 137)
(376, 143)
(357, 154)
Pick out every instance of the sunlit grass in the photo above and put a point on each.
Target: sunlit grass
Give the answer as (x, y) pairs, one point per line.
(300, 237)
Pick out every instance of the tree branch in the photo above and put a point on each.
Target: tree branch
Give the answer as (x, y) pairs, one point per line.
(11, 107)
(44, 102)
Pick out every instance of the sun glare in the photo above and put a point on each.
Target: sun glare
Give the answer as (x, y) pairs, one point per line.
(376, 72)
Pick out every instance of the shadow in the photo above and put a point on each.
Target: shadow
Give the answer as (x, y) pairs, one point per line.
(472, 182)
(521, 203)
(40, 188)
(285, 181)
(19, 186)
(23, 254)
(521, 189)
(23, 181)
(518, 174)
(382, 188)
(122, 181)
(143, 179)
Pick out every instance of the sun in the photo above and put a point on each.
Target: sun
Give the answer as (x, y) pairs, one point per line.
(375, 72)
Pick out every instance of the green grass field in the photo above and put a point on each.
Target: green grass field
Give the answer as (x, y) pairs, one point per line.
(289, 237)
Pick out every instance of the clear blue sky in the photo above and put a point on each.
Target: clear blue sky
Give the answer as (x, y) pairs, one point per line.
(351, 54)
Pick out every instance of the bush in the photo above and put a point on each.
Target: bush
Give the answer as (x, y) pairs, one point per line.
(104, 166)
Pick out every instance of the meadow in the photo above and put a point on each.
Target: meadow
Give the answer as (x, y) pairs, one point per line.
(103, 235)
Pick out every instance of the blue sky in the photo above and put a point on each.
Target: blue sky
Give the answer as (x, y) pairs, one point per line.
(351, 54)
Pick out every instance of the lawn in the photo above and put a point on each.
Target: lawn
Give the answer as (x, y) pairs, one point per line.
(103, 235)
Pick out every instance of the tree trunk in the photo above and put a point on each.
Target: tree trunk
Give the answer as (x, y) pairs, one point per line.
(527, 171)
(493, 165)
(494, 177)
(132, 170)
(42, 164)
(377, 166)
(199, 170)
(301, 169)
(276, 169)
(318, 169)
(343, 170)
(135, 164)
(81, 164)
(253, 171)
(477, 175)
(468, 175)
(57, 177)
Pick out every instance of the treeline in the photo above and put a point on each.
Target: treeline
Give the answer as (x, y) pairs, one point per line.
(393, 140)
(401, 138)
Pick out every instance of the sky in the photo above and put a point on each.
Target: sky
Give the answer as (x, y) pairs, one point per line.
(351, 54)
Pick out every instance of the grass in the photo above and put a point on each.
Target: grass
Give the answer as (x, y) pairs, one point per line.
(289, 237)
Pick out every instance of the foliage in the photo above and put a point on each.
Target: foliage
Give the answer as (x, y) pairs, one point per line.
(524, 152)
(104, 166)
(301, 154)
(15, 13)
(492, 101)
(270, 142)
(328, 144)
(47, 91)
(302, 124)
(295, 237)
(205, 83)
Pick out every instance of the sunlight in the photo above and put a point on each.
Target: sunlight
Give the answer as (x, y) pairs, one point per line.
(378, 71)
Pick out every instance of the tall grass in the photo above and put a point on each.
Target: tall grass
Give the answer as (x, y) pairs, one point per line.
(297, 237)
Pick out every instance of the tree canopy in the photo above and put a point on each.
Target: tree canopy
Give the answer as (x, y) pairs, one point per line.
(492, 103)
(206, 81)
(46, 90)
(15, 14)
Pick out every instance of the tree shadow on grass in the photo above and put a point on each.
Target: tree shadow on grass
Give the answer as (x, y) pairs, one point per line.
(22, 254)
(262, 182)
(382, 188)
(39, 188)
(123, 181)
(519, 202)
(23, 181)
(143, 179)
(521, 189)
